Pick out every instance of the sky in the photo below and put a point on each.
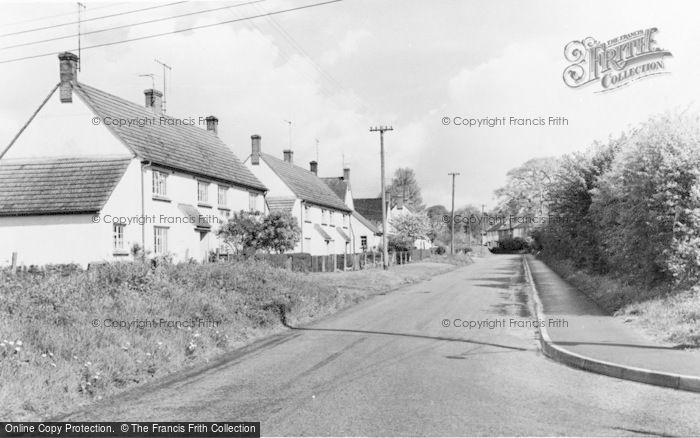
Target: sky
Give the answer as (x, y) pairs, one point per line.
(336, 70)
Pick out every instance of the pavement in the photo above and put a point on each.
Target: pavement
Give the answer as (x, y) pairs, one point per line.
(401, 364)
(596, 341)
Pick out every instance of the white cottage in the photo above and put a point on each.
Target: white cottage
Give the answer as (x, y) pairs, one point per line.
(365, 236)
(323, 217)
(93, 177)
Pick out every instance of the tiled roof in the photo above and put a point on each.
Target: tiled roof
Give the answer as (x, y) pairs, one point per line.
(305, 184)
(338, 185)
(280, 203)
(181, 147)
(370, 208)
(58, 185)
(366, 222)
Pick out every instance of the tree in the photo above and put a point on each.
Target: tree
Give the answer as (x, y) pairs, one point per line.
(526, 190)
(404, 186)
(251, 231)
(647, 204)
(279, 232)
(408, 228)
(436, 216)
(241, 231)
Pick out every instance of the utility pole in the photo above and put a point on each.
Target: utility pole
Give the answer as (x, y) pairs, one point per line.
(452, 227)
(165, 66)
(385, 250)
(481, 229)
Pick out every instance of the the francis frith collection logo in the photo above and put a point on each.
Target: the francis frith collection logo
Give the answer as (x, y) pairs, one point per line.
(614, 63)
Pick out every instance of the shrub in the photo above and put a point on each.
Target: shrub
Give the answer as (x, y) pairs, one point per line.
(440, 250)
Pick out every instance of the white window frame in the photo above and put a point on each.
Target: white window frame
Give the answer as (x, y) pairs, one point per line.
(205, 198)
(253, 201)
(160, 183)
(331, 218)
(324, 216)
(222, 196)
(345, 220)
(307, 213)
(118, 229)
(160, 240)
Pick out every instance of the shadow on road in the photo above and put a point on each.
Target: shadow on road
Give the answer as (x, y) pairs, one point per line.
(407, 335)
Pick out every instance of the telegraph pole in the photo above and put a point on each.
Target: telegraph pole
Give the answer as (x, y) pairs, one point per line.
(452, 227)
(385, 250)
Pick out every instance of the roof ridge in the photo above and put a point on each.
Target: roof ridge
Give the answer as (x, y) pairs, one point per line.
(67, 158)
(184, 146)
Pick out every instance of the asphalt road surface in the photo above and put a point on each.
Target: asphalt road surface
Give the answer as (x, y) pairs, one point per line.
(389, 367)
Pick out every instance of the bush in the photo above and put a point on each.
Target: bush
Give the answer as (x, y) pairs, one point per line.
(440, 250)
(513, 244)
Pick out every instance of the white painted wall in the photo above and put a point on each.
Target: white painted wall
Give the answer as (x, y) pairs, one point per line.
(65, 129)
(311, 242)
(40, 240)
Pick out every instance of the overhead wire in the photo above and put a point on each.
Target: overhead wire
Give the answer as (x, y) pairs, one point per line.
(123, 26)
(145, 37)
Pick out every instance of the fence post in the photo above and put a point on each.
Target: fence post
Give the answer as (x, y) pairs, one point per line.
(14, 262)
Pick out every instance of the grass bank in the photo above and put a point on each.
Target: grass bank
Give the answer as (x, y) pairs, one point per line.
(670, 315)
(66, 340)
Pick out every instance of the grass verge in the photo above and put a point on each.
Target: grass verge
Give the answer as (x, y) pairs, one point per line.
(59, 349)
(670, 315)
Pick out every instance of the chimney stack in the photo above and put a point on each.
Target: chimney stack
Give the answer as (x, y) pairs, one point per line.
(346, 174)
(313, 167)
(154, 100)
(255, 149)
(288, 156)
(68, 67)
(212, 124)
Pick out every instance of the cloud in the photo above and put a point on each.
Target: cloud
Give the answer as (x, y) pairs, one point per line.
(347, 46)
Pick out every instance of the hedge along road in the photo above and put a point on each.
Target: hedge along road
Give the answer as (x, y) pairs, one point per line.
(397, 365)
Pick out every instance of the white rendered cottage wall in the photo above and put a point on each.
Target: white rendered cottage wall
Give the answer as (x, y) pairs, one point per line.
(50, 239)
(65, 129)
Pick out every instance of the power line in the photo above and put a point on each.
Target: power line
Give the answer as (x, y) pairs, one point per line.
(47, 40)
(36, 29)
(111, 5)
(282, 11)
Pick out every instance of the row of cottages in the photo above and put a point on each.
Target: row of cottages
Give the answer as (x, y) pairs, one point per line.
(502, 230)
(78, 187)
(371, 208)
(75, 187)
(323, 208)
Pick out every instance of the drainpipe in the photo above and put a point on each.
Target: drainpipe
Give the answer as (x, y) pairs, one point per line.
(352, 239)
(301, 224)
(143, 208)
